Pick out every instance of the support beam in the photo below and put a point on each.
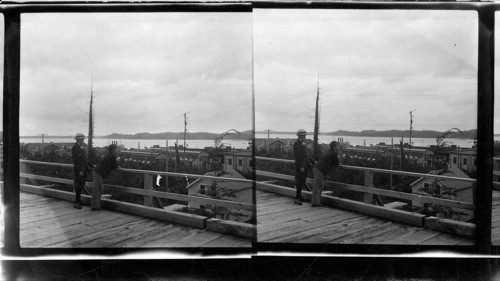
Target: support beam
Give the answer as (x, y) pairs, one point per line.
(11, 78)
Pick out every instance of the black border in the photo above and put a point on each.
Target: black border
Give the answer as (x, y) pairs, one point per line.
(485, 97)
(11, 198)
(486, 19)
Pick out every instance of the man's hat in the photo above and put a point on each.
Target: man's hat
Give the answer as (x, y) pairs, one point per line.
(301, 132)
(79, 136)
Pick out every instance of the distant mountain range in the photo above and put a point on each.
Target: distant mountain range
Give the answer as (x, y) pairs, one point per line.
(470, 134)
(245, 135)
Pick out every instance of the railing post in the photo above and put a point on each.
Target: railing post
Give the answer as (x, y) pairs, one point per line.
(368, 197)
(148, 185)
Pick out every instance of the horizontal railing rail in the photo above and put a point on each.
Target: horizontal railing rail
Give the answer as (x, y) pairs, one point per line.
(376, 170)
(147, 172)
(148, 191)
(369, 189)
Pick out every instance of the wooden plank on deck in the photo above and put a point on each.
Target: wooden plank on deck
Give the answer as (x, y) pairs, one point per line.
(61, 237)
(140, 239)
(119, 233)
(87, 235)
(326, 233)
(414, 237)
(38, 228)
(344, 229)
(290, 228)
(448, 240)
(167, 240)
(196, 240)
(227, 241)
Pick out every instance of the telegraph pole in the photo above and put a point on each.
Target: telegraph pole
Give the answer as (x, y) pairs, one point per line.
(91, 121)
(185, 129)
(316, 126)
(411, 127)
(41, 146)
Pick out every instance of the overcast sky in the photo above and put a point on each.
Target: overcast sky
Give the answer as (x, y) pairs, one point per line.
(374, 68)
(148, 69)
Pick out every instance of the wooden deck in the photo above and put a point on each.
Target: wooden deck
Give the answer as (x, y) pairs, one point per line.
(279, 220)
(49, 222)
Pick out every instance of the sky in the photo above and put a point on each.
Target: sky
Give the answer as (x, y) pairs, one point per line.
(146, 70)
(374, 67)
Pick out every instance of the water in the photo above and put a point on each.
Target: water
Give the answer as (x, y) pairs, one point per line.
(355, 140)
(135, 143)
(243, 144)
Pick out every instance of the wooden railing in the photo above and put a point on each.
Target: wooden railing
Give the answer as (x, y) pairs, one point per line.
(369, 190)
(148, 192)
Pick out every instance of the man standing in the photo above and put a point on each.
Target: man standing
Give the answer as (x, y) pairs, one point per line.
(324, 165)
(303, 161)
(102, 171)
(80, 168)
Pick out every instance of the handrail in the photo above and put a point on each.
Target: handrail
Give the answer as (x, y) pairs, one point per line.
(395, 194)
(369, 189)
(160, 194)
(146, 172)
(383, 171)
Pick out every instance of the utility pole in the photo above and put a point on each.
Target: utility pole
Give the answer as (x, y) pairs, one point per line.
(267, 141)
(411, 128)
(316, 126)
(185, 129)
(41, 146)
(91, 121)
(401, 144)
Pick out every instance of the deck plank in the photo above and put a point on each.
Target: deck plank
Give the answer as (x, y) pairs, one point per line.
(281, 221)
(288, 229)
(397, 230)
(35, 229)
(280, 217)
(226, 240)
(415, 235)
(366, 233)
(447, 239)
(114, 235)
(138, 240)
(323, 234)
(200, 238)
(48, 222)
(168, 240)
(69, 236)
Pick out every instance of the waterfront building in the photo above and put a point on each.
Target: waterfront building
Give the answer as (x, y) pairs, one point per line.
(240, 161)
(464, 159)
